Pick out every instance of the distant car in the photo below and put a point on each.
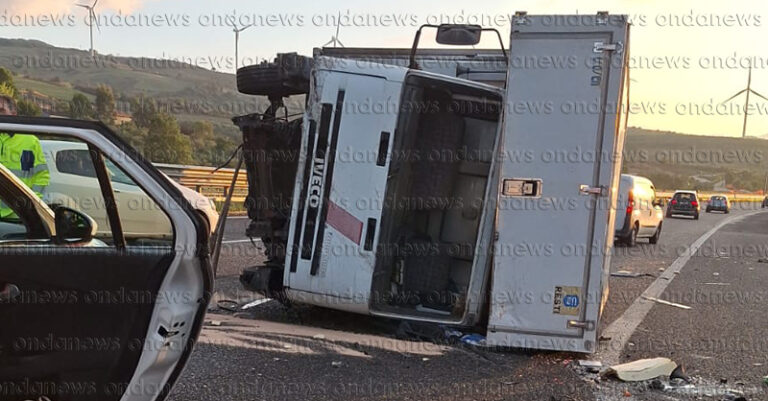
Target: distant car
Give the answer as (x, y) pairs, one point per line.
(718, 203)
(639, 213)
(765, 202)
(684, 203)
(74, 184)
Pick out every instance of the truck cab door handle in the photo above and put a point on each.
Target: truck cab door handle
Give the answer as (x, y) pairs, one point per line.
(9, 293)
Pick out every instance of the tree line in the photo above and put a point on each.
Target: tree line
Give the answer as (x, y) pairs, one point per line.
(157, 134)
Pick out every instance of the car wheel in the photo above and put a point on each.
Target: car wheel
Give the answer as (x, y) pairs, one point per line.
(696, 216)
(631, 239)
(709, 210)
(656, 235)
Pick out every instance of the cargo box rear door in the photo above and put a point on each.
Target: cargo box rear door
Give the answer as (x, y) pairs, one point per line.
(561, 145)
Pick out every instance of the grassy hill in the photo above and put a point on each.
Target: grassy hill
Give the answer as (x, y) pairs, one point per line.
(186, 91)
(191, 93)
(672, 160)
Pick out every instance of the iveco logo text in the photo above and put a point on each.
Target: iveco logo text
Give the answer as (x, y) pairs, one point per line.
(315, 182)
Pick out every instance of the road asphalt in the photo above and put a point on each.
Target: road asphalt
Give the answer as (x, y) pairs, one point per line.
(271, 352)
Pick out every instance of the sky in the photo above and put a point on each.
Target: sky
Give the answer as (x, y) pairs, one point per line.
(687, 57)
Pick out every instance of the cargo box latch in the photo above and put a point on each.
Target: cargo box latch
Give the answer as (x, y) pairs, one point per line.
(600, 47)
(587, 190)
(522, 187)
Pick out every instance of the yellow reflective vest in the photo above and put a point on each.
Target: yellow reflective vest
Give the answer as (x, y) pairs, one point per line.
(23, 155)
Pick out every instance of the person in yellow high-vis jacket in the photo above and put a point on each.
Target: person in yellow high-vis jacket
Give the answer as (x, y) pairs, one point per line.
(24, 157)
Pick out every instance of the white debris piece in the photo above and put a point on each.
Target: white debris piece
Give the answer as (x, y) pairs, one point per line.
(643, 369)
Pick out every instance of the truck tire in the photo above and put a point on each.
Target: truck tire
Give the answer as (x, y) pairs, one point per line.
(287, 75)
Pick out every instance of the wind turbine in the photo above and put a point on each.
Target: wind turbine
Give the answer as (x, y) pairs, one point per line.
(237, 42)
(748, 90)
(335, 39)
(91, 20)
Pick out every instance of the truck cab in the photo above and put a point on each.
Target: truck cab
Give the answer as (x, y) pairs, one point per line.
(422, 195)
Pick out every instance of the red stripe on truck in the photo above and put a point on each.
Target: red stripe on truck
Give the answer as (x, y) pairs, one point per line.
(345, 223)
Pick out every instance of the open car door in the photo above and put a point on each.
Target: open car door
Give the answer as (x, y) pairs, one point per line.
(87, 316)
(559, 175)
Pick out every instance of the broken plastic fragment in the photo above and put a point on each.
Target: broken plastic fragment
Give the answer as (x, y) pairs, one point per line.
(643, 369)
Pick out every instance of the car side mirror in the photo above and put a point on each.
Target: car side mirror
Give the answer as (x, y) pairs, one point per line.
(73, 226)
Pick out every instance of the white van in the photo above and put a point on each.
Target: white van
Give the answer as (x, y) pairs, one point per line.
(424, 196)
(638, 213)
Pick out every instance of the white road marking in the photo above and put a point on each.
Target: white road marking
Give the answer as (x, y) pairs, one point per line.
(622, 328)
(240, 241)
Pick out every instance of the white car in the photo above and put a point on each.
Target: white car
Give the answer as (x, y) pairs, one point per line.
(74, 184)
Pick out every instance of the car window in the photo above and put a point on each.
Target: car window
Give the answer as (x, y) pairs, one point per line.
(684, 197)
(75, 184)
(78, 162)
(11, 227)
(143, 221)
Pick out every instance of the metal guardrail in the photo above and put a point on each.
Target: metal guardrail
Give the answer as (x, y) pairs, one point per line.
(705, 195)
(207, 182)
(216, 184)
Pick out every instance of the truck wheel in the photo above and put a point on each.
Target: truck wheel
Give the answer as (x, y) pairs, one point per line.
(656, 235)
(287, 75)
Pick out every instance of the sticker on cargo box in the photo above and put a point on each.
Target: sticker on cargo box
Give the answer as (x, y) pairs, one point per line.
(567, 300)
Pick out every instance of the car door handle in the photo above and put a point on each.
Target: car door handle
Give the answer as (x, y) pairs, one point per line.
(9, 293)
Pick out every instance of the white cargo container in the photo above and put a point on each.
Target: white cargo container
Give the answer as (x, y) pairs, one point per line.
(423, 196)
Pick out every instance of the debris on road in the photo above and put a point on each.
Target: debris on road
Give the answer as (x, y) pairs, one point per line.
(642, 369)
(723, 284)
(256, 303)
(663, 302)
(227, 305)
(629, 274)
(213, 322)
(476, 340)
(336, 364)
(762, 261)
(591, 366)
(679, 374)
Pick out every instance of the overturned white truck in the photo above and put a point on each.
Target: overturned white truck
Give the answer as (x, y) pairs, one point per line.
(461, 187)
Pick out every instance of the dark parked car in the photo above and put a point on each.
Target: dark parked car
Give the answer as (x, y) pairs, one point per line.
(684, 203)
(765, 202)
(719, 203)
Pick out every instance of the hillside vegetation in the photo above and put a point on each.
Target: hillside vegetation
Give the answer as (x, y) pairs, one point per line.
(672, 160)
(202, 103)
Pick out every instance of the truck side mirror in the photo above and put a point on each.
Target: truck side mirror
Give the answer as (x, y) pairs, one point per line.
(458, 35)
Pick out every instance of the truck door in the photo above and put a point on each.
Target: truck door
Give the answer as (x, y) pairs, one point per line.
(559, 174)
(341, 181)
